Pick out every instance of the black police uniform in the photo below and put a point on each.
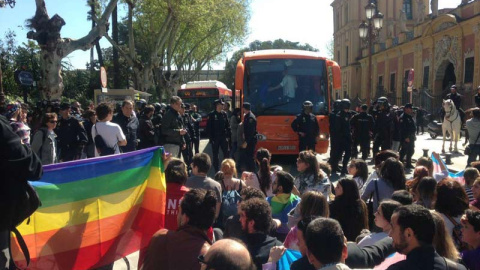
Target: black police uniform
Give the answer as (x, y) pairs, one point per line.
(129, 127)
(344, 136)
(146, 133)
(407, 131)
(187, 153)
(333, 138)
(457, 100)
(363, 125)
(477, 100)
(197, 118)
(306, 123)
(384, 125)
(218, 130)
(71, 138)
(250, 132)
(157, 126)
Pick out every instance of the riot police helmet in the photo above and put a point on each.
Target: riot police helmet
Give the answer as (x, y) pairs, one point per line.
(158, 107)
(307, 104)
(140, 104)
(346, 104)
(337, 104)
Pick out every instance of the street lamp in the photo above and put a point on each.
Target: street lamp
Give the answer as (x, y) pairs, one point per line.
(369, 31)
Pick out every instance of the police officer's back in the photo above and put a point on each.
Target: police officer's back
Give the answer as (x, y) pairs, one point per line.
(306, 125)
(218, 130)
(407, 135)
(249, 133)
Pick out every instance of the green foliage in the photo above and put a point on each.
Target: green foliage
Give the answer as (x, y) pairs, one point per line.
(231, 65)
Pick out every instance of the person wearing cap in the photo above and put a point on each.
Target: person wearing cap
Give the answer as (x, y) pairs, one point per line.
(306, 126)
(457, 100)
(407, 136)
(71, 136)
(250, 136)
(363, 125)
(218, 130)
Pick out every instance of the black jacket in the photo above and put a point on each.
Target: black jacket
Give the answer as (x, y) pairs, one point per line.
(407, 127)
(423, 258)
(369, 256)
(218, 127)
(172, 123)
(70, 133)
(342, 126)
(259, 245)
(302, 264)
(129, 127)
(250, 128)
(306, 123)
(456, 98)
(146, 133)
(363, 125)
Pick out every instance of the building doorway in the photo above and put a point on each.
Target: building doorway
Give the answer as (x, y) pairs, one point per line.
(444, 78)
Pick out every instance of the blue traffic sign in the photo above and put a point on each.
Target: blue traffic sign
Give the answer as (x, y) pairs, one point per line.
(25, 78)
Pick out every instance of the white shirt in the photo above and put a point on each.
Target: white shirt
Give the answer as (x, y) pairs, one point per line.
(111, 134)
(289, 84)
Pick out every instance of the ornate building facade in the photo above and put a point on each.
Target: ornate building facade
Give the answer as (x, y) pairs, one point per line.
(442, 49)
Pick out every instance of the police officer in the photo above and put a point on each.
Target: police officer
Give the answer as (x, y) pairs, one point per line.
(407, 134)
(344, 135)
(218, 130)
(157, 123)
(249, 133)
(457, 100)
(196, 118)
(363, 125)
(333, 138)
(71, 136)
(187, 152)
(306, 126)
(384, 124)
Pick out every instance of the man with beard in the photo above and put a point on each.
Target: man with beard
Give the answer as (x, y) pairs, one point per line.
(255, 217)
(413, 229)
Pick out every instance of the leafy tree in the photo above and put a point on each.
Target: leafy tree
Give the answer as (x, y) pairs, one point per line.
(231, 64)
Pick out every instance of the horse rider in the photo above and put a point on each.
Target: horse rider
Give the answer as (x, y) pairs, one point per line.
(457, 100)
(407, 136)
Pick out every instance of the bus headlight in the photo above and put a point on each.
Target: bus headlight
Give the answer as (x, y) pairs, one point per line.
(323, 136)
(261, 137)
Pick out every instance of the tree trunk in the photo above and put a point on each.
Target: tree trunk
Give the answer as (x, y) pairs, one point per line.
(53, 48)
(99, 53)
(116, 64)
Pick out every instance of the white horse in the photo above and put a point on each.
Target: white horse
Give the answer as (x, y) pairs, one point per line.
(451, 124)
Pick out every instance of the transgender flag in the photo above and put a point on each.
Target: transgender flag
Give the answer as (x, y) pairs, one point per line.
(95, 211)
(437, 169)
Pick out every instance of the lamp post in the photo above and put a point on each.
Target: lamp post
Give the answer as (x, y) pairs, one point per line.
(369, 32)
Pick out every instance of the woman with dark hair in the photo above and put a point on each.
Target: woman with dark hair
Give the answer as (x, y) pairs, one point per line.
(350, 211)
(44, 142)
(263, 178)
(383, 216)
(312, 203)
(451, 203)
(175, 176)
(418, 173)
(359, 170)
(310, 177)
(426, 192)
(392, 178)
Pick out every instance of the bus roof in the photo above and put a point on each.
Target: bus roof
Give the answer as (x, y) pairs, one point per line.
(262, 54)
(203, 84)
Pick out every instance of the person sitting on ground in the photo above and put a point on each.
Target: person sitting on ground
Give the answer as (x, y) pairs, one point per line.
(201, 164)
(426, 192)
(413, 230)
(195, 216)
(383, 217)
(326, 244)
(471, 236)
(412, 184)
(312, 203)
(350, 211)
(263, 178)
(475, 204)
(470, 175)
(392, 178)
(427, 163)
(359, 170)
(256, 220)
(283, 202)
(379, 158)
(310, 177)
(175, 176)
(402, 196)
(233, 227)
(451, 202)
(227, 254)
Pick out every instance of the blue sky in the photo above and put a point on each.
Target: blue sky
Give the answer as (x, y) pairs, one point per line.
(304, 21)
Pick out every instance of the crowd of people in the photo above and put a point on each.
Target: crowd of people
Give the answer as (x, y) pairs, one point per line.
(252, 212)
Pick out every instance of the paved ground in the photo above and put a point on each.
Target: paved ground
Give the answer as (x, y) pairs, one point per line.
(288, 163)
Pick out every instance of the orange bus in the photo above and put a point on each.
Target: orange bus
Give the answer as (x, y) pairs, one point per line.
(203, 94)
(276, 83)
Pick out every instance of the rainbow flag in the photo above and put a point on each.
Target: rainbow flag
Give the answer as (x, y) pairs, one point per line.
(95, 211)
(457, 176)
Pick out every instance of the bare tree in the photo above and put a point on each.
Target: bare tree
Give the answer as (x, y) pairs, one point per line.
(46, 31)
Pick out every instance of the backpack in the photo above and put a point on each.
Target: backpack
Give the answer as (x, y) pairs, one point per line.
(230, 198)
(101, 146)
(457, 235)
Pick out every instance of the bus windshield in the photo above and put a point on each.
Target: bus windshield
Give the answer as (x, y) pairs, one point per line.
(280, 86)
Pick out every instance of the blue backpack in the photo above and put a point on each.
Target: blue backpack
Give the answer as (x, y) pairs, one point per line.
(230, 198)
